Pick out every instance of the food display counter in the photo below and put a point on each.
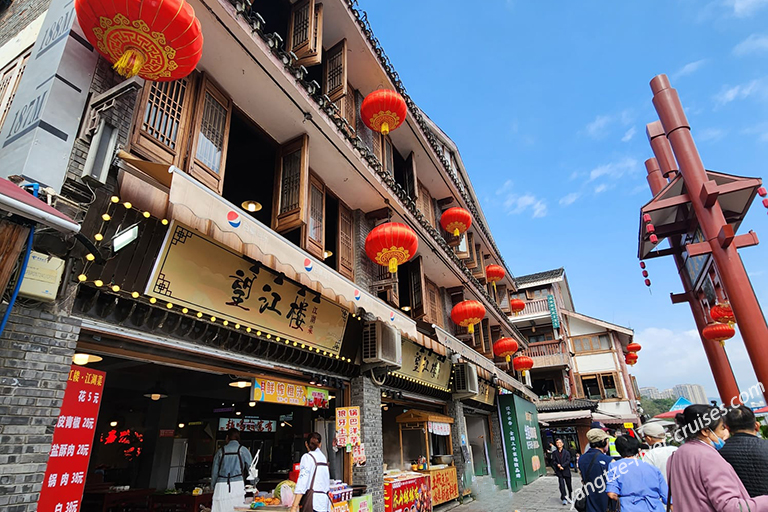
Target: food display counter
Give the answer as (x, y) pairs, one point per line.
(407, 492)
(433, 432)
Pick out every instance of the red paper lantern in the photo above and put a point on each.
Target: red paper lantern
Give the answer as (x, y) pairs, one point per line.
(762, 192)
(645, 273)
(456, 220)
(642, 264)
(650, 228)
(505, 347)
(718, 332)
(646, 218)
(522, 364)
(631, 358)
(467, 313)
(653, 239)
(722, 313)
(516, 305)
(160, 41)
(634, 347)
(494, 273)
(391, 244)
(383, 110)
(647, 282)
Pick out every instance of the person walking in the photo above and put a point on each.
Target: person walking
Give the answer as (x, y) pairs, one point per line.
(658, 453)
(561, 463)
(639, 486)
(747, 453)
(700, 480)
(592, 466)
(228, 473)
(311, 492)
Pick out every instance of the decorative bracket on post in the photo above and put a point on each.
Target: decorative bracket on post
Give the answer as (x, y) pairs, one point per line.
(105, 101)
(709, 193)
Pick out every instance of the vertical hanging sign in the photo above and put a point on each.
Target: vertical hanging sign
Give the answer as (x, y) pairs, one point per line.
(553, 311)
(508, 418)
(72, 442)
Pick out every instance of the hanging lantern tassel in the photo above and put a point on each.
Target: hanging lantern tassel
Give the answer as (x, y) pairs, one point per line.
(467, 313)
(130, 62)
(506, 348)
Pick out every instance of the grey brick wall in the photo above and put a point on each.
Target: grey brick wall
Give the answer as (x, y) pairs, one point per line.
(36, 351)
(456, 411)
(499, 469)
(18, 15)
(367, 396)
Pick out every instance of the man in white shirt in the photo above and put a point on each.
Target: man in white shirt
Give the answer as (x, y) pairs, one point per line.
(659, 453)
(313, 472)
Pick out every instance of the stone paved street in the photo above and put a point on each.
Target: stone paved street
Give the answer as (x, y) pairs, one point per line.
(540, 496)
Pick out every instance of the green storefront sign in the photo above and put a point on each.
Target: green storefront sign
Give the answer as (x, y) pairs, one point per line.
(522, 443)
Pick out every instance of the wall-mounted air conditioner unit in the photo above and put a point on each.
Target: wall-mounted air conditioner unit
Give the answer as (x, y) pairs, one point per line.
(382, 345)
(465, 383)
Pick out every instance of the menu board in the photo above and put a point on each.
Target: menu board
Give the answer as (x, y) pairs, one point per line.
(412, 495)
(348, 427)
(277, 392)
(70, 453)
(362, 503)
(424, 366)
(445, 487)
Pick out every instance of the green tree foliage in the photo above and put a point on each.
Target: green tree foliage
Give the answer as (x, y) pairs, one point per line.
(652, 407)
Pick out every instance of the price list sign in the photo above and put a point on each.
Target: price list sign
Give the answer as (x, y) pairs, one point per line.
(72, 442)
(348, 427)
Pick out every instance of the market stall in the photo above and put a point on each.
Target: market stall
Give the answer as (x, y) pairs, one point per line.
(425, 440)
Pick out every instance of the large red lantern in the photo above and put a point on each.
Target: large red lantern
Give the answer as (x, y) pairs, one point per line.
(718, 332)
(722, 313)
(522, 364)
(383, 110)
(631, 358)
(467, 313)
(505, 347)
(494, 273)
(516, 305)
(157, 40)
(456, 220)
(634, 347)
(391, 244)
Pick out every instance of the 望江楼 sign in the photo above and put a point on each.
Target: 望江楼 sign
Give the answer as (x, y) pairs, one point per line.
(195, 271)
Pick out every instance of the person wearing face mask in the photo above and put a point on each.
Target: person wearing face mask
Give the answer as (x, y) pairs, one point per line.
(700, 480)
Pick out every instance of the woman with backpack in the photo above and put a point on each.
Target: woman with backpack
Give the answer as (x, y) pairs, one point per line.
(311, 493)
(228, 474)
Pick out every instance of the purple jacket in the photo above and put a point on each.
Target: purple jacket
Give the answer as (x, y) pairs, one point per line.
(700, 480)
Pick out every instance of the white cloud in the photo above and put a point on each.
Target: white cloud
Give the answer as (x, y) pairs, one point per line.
(688, 69)
(569, 199)
(753, 44)
(738, 92)
(597, 128)
(744, 8)
(614, 169)
(516, 204)
(601, 188)
(710, 135)
(629, 134)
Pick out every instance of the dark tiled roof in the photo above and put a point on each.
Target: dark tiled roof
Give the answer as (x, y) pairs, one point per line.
(566, 405)
(540, 276)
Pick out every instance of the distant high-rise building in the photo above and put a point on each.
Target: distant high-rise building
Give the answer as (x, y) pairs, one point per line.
(693, 392)
(650, 392)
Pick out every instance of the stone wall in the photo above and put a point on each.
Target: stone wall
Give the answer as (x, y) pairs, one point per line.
(499, 469)
(17, 15)
(456, 411)
(364, 267)
(367, 396)
(36, 351)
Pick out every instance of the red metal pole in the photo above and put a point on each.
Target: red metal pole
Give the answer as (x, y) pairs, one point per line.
(733, 275)
(722, 372)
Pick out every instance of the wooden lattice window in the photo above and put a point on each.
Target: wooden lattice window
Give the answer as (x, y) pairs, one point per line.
(502, 297)
(350, 108)
(305, 32)
(335, 71)
(161, 123)
(416, 274)
(291, 185)
(209, 136)
(434, 304)
(316, 221)
(345, 248)
(9, 84)
(389, 155)
(411, 178)
(424, 204)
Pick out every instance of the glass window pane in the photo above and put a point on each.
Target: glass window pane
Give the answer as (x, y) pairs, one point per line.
(609, 385)
(289, 188)
(605, 342)
(210, 142)
(316, 213)
(591, 388)
(163, 113)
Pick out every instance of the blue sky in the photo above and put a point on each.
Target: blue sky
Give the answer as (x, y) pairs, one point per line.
(548, 102)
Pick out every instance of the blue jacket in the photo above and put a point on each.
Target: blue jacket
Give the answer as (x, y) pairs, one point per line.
(597, 499)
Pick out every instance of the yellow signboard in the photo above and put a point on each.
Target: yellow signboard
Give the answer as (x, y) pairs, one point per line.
(629, 425)
(197, 272)
(277, 392)
(424, 366)
(486, 393)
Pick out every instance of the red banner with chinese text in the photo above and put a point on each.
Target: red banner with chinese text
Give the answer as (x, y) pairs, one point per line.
(411, 495)
(72, 442)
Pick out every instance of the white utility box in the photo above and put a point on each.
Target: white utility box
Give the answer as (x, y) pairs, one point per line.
(43, 276)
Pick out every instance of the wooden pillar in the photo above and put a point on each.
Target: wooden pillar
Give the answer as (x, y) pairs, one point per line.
(12, 239)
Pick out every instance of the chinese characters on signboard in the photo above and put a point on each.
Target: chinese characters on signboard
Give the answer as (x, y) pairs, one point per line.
(511, 442)
(425, 366)
(553, 311)
(197, 272)
(348, 427)
(486, 393)
(277, 392)
(73, 435)
(408, 495)
(524, 452)
(444, 485)
(247, 424)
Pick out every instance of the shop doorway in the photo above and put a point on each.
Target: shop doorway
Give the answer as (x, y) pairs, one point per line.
(478, 437)
(160, 425)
